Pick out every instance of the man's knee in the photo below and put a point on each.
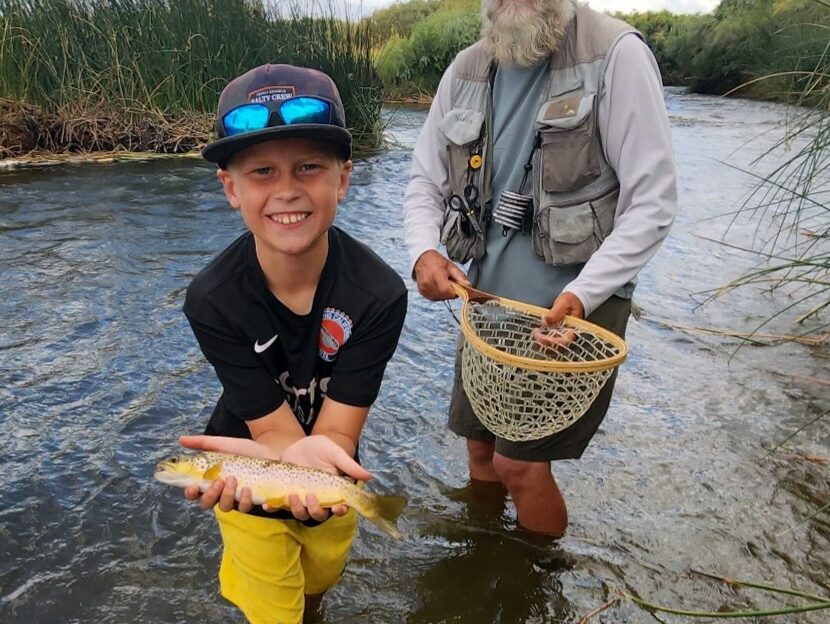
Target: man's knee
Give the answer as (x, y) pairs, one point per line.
(515, 472)
(480, 452)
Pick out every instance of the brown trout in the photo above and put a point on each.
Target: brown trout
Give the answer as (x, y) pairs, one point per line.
(272, 481)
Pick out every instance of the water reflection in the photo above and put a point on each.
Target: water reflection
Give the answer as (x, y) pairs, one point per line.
(101, 374)
(490, 572)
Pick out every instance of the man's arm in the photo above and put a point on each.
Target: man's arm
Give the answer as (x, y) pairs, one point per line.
(423, 204)
(634, 127)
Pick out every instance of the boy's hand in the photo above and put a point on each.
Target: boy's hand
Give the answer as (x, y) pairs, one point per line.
(316, 451)
(224, 492)
(319, 451)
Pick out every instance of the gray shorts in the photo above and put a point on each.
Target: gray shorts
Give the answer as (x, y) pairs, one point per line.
(569, 443)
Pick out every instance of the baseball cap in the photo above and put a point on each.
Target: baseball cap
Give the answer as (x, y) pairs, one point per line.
(271, 95)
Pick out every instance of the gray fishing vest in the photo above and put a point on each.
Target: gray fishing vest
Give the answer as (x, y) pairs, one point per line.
(575, 190)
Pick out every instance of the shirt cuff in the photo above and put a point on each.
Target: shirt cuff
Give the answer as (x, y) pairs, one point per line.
(587, 308)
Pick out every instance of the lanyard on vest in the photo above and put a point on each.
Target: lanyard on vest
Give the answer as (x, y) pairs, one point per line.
(514, 211)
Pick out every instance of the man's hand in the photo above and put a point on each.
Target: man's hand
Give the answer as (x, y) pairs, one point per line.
(433, 272)
(220, 491)
(566, 304)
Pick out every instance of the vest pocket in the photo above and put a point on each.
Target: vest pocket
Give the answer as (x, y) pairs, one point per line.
(462, 127)
(569, 159)
(458, 237)
(570, 234)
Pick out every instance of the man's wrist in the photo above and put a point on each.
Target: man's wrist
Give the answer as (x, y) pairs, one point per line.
(420, 255)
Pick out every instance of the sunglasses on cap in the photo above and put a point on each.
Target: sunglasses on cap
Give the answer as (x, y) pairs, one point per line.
(303, 109)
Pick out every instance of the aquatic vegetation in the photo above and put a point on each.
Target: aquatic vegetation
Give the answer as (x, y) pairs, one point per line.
(146, 74)
(816, 602)
(794, 198)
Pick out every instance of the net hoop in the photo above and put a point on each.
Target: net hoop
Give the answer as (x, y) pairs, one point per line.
(530, 396)
(470, 294)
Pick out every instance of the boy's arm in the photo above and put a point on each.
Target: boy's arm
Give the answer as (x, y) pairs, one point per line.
(341, 423)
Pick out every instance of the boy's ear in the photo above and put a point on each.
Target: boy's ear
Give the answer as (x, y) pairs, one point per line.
(345, 176)
(227, 184)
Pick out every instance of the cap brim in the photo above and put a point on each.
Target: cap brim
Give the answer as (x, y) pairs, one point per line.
(221, 150)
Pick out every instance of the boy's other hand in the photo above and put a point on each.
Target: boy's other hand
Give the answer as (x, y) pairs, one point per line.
(433, 273)
(222, 493)
(321, 452)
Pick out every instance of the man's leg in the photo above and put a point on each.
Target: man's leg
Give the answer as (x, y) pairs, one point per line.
(540, 506)
(481, 460)
(524, 467)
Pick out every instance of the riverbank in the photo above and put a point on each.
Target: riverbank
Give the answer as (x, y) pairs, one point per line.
(31, 137)
(34, 134)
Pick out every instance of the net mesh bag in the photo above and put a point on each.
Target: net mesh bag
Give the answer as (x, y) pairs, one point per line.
(519, 389)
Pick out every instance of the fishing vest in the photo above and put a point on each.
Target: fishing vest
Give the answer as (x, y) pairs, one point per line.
(575, 190)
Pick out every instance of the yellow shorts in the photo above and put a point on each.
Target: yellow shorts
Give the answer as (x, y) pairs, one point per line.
(269, 565)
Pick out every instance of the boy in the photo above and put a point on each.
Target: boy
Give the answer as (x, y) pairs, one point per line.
(299, 321)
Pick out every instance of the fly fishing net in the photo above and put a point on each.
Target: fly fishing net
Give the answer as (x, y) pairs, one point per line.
(523, 390)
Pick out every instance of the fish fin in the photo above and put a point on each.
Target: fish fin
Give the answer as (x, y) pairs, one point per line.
(388, 508)
(212, 473)
(276, 502)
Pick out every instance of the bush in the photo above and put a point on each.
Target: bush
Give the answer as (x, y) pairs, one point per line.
(415, 65)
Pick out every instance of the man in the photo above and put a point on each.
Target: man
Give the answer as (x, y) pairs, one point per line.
(563, 106)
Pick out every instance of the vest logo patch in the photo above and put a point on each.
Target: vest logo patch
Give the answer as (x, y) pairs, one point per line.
(335, 330)
(563, 108)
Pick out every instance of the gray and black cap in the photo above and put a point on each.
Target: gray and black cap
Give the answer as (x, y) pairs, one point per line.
(270, 85)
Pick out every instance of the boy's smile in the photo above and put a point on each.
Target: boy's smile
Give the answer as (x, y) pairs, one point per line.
(287, 192)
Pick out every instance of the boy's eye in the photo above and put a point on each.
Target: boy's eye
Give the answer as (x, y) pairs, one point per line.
(309, 166)
(262, 170)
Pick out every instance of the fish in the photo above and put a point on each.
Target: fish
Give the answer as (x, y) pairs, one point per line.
(272, 481)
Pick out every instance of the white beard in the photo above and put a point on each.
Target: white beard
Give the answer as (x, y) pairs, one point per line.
(523, 32)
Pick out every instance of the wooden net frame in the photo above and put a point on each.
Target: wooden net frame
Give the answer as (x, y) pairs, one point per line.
(519, 389)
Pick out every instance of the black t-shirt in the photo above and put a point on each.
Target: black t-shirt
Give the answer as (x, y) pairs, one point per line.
(264, 354)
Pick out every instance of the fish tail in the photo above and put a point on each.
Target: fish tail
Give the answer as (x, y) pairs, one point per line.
(385, 512)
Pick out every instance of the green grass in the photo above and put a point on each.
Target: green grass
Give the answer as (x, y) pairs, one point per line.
(159, 62)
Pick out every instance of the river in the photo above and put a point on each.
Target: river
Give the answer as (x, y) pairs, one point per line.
(101, 374)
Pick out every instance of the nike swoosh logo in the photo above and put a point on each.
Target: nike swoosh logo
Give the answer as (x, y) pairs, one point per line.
(259, 348)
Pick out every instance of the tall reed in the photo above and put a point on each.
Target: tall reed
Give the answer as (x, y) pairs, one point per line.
(157, 60)
(795, 198)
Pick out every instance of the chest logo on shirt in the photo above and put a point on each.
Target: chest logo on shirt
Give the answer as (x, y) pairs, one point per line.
(335, 329)
(259, 348)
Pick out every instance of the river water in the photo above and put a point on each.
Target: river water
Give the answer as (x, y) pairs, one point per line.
(101, 375)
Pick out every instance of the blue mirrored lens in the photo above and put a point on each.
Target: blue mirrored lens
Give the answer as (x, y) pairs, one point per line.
(305, 110)
(245, 119)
